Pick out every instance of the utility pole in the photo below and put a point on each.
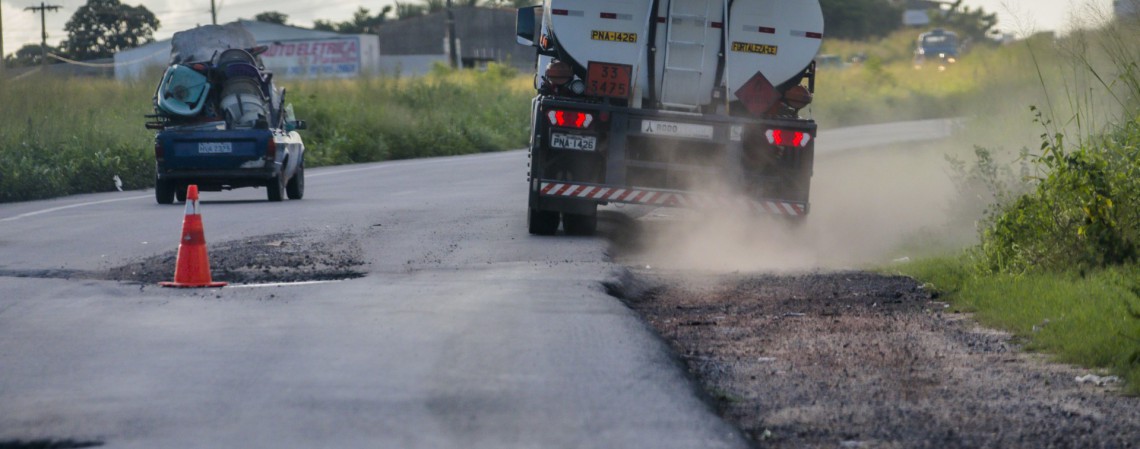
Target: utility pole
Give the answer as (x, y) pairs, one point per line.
(452, 51)
(213, 13)
(43, 9)
(1, 42)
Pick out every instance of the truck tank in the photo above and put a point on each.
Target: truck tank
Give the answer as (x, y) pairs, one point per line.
(684, 67)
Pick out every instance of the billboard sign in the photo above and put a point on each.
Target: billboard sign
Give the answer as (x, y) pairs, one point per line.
(314, 58)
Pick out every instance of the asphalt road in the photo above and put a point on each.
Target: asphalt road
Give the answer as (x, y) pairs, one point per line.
(465, 332)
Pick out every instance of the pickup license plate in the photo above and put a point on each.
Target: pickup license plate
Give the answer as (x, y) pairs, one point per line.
(573, 142)
(672, 129)
(608, 80)
(215, 147)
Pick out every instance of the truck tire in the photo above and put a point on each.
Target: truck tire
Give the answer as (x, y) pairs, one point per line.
(180, 193)
(541, 222)
(295, 189)
(275, 189)
(580, 224)
(163, 191)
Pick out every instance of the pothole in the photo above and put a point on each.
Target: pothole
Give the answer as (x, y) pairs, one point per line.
(274, 258)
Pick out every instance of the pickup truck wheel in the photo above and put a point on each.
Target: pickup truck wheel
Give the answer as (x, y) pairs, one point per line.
(163, 191)
(275, 189)
(295, 189)
(180, 193)
(541, 222)
(580, 224)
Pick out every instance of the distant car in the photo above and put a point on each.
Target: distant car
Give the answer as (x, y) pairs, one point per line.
(829, 61)
(937, 47)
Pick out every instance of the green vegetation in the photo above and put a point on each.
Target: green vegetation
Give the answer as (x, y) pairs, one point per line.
(1057, 262)
(445, 113)
(991, 81)
(1087, 320)
(60, 137)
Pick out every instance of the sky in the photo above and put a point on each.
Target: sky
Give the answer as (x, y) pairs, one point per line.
(21, 27)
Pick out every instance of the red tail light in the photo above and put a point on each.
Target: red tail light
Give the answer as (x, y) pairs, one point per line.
(570, 119)
(785, 138)
(159, 153)
(271, 149)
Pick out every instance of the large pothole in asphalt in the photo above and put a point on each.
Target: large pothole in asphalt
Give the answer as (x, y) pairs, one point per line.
(295, 257)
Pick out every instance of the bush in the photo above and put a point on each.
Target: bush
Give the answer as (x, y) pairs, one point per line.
(1083, 211)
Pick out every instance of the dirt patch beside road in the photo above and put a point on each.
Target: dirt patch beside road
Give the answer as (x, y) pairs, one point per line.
(822, 356)
(859, 360)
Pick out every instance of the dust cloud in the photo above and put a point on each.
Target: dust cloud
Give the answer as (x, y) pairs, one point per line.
(868, 206)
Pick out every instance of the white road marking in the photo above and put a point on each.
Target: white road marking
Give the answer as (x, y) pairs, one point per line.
(285, 284)
(71, 206)
(390, 164)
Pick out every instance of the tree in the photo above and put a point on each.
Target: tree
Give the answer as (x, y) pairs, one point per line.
(409, 10)
(362, 22)
(29, 55)
(271, 17)
(860, 19)
(102, 27)
(974, 24)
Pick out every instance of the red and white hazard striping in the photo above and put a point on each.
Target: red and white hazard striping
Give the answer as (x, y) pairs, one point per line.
(665, 199)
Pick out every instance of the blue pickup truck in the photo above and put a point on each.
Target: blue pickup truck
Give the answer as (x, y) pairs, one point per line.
(221, 122)
(937, 47)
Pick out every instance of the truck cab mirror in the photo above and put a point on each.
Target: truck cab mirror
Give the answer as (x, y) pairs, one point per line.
(525, 25)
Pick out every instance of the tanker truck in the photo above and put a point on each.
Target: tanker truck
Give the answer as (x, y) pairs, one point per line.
(669, 103)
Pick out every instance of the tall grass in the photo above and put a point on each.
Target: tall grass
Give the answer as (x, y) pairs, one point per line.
(1087, 319)
(444, 113)
(1058, 260)
(66, 136)
(987, 81)
(60, 136)
(1081, 209)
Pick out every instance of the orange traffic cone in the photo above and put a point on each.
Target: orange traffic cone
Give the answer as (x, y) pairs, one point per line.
(193, 266)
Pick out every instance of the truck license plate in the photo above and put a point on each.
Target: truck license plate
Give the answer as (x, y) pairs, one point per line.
(676, 129)
(608, 80)
(573, 142)
(215, 147)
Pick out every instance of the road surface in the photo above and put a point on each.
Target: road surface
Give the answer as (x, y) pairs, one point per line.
(464, 332)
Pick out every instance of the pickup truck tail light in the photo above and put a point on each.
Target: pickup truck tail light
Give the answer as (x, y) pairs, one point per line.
(786, 138)
(159, 153)
(271, 149)
(570, 119)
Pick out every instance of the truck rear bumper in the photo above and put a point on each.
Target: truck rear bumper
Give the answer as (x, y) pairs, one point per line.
(665, 198)
(221, 179)
(671, 159)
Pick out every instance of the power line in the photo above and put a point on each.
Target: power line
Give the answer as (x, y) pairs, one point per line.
(43, 9)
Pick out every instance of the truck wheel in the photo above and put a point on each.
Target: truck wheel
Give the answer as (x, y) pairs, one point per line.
(275, 189)
(296, 186)
(541, 222)
(163, 191)
(180, 193)
(580, 224)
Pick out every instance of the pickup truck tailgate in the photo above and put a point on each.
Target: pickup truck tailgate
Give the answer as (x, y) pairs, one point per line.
(212, 149)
